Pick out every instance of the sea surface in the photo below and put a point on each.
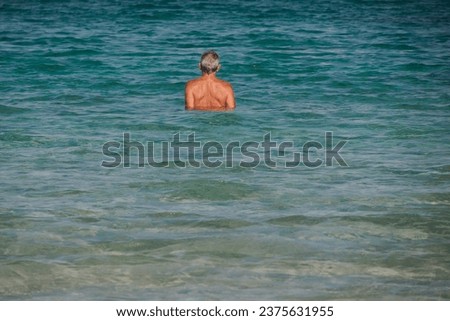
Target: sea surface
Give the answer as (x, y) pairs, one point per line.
(76, 75)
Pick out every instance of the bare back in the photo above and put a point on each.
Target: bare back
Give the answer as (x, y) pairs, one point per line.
(209, 93)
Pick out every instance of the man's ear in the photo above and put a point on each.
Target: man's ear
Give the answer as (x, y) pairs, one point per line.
(200, 66)
(218, 68)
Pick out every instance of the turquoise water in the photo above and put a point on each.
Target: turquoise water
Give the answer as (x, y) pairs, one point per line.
(77, 74)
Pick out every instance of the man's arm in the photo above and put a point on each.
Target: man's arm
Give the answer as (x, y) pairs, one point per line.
(188, 97)
(230, 102)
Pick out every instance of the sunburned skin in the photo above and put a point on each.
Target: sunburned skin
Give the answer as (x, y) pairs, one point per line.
(209, 93)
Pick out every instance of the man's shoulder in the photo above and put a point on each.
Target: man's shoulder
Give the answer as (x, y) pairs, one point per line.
(224, 83)
(191, 82)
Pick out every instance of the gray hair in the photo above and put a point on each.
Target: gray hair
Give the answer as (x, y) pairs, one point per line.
(209, 62)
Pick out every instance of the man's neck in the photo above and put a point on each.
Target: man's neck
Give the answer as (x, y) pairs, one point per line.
(209, 76)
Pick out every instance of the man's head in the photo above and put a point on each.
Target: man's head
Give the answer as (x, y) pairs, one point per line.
(209, 62)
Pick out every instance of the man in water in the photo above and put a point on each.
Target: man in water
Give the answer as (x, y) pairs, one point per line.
(209, 92)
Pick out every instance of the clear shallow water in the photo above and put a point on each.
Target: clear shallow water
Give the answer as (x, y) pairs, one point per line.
(76, 75)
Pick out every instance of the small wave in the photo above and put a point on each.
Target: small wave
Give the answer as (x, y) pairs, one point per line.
(8, 110)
